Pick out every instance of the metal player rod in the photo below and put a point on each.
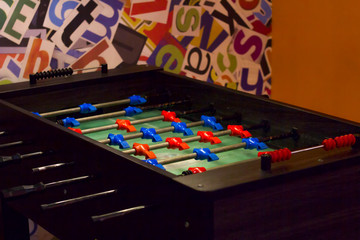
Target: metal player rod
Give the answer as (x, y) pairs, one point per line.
(18, 156)
(112, 126)
(155, 146)
(186, 140)
(26, 189)
(330, 143)
(84, 69)
(259, 158)
(289, 153)
(158, 131)
(193, 155)
(77, 121)
(137, 99)
(2, 133)
(76, 200)
(293, 133)
(307, 149)
(101, 116)
(51, 166)
(11, 144)
(103, 217)
(267, 158)
(234, 130)
(120, 113)
(77, 109)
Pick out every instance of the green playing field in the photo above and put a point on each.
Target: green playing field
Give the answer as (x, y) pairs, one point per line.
(164, 153)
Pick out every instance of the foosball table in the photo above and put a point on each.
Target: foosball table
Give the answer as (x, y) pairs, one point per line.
(139, 153)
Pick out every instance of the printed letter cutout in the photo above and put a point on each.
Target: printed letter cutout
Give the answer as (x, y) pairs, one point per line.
(10, 70)
(37, 57)
(168, 54)
(76, 24)
(197, 63)
(17, 23)
(5, 6)
(105, 24)
(248, 44)
(225, 14)
(57, 11)
(186, 21)
(265, 14)
(152, 10)
(102, 53)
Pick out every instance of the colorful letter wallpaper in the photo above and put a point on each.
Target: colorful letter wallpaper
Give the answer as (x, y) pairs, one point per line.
(225, 42)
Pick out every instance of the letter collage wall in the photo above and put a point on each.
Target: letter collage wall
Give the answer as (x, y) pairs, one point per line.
(225, 42)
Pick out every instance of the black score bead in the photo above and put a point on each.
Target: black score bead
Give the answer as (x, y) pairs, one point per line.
(71, 71)
(37, 76)
(42, 75)
(55, 73)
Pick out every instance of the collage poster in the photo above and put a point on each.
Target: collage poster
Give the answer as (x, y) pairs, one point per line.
(224, 42)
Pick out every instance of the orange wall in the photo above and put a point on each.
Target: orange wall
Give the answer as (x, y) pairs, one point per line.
(316, 55)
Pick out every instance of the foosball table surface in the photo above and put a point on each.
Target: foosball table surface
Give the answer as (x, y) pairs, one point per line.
(306, 195)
